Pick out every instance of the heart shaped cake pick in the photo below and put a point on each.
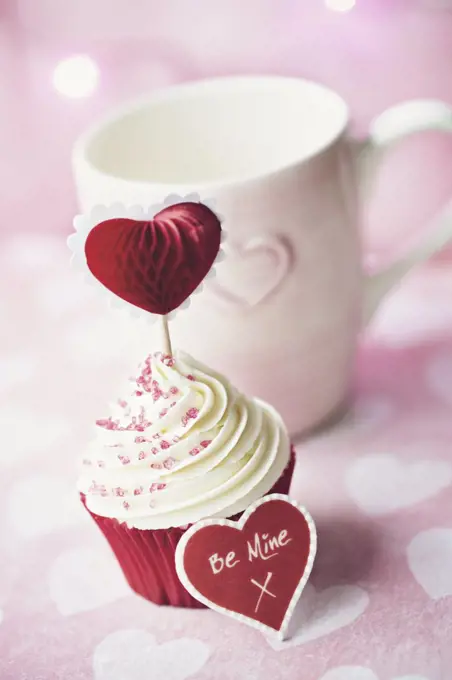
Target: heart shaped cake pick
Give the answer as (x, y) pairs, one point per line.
(149, 261)
(155, 264)
(255, 569)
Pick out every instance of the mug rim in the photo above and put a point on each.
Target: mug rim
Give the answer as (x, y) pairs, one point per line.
(81, 146)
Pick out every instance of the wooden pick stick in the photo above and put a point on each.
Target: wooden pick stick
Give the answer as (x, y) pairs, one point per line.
(166, 337)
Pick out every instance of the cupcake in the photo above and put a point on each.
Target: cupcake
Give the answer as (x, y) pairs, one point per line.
(180, 446)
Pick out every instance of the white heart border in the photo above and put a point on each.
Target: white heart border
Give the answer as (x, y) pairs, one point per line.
(180, 550)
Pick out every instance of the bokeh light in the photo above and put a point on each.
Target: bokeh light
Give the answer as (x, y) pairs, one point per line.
(340, 5)
(76, 76)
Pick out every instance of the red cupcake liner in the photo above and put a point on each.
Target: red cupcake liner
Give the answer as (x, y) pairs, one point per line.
(147, 556)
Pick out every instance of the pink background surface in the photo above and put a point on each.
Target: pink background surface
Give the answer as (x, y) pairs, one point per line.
(379, 485)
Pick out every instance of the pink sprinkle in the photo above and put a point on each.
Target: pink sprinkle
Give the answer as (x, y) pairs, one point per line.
(142, 455)
(154, 450)
(192, 413)
(156, 486)
(176, 439)
(190, 377)
(172, 404)
(98, 489)
(164, 444)
(138, 491)
(169, 463)
(156, 436)
(156, 466)
(108, 423)
(195, 451)
(205, 443)
(126, 505)
(156, 390)
(144, 380)
(118, 491)
(122, 403)
(140, 440)
(163, 413)
(167, 360)
(174, 390)
(125, 460)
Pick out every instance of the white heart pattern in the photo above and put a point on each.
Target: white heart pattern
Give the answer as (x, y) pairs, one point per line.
(82, 579)
(42, 504)
(371, 411)
(320, 613)
(360, 673)
(135, 655)
(430, 560)
(256, 270)
(380, 484)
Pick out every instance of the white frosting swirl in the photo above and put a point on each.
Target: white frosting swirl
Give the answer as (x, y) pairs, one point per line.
(183, 446)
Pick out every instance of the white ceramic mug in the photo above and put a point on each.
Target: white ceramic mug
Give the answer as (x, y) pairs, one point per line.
(283, 315)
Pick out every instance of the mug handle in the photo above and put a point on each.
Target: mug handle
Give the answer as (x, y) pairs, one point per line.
(386, 130)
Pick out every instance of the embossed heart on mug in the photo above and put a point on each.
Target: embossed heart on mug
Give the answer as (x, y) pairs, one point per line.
(256, 270)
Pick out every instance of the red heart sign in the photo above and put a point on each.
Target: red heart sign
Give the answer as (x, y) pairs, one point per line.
(254, 569)
(155, 264)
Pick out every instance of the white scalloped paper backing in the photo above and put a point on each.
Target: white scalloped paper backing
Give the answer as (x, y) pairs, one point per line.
(180, 550)
(99, 213)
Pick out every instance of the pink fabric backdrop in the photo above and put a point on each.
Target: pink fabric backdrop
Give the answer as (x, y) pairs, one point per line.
(379, 485)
